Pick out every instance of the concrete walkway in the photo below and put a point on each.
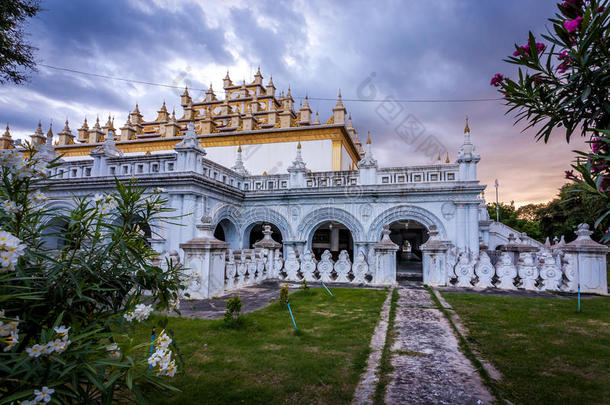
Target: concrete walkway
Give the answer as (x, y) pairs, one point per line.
(428, 366)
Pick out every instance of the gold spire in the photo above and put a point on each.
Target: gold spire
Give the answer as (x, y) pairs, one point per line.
(186, 91)
(447, 159)
(467, 128)
(50, 131)
(239, 148)
(439, 157)
(299, 145)
(368, 139)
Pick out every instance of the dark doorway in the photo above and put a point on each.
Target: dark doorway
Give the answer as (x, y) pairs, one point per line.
(256, 233)
(332, 236)
(409, 236)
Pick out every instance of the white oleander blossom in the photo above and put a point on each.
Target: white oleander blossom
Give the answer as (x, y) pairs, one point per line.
(161, 359)
(58, 345)
(10, 250)
(21, 166)
(9, 332)
(140, 313)
(174, 303)
(9, 206)
(114, 351)
(39, 197)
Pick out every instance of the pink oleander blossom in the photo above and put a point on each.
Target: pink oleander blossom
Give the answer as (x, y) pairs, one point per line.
(525, 49)
(572, 25)
(497, 80)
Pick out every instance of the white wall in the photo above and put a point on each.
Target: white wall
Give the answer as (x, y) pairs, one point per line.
(275, 157)
(346, 160)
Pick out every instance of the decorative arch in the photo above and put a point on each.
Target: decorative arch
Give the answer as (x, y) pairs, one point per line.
(312, 220)
(231, 212)
(403, 212)
(256, 215)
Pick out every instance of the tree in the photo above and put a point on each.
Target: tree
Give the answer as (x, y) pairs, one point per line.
(16, 54)
(565, 84)
(509, 215)
(68, 310)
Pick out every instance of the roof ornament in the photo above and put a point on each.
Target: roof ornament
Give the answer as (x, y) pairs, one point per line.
(467, 128)
(368, 161)
(239, 164)
(317, 120)
(298, 165)
(447, 159)
(108, 147)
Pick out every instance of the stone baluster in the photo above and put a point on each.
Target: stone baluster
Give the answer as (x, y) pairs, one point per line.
(325, 267)
(242, 269)
(506, 272)
(343, 267)
(549, 272)
(292, 266)
(269, 247)
(360, 268)
(308, 266)
(260, 266)
(230, 270)
(570, 272)
(278, 264)
(464, 269)
(251, 268)
(484, 270)
(527, 270)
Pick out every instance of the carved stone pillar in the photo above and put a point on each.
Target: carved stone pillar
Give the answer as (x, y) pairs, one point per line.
(205, 256)
(434, 259)
(385, 263)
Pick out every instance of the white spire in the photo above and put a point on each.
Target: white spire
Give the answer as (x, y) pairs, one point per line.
(239, 164)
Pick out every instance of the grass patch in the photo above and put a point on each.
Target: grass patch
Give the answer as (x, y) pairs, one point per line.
(545, 350)
(265, 361)
(385, 363)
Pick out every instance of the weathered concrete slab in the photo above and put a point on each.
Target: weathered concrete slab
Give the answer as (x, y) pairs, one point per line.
(428, 366)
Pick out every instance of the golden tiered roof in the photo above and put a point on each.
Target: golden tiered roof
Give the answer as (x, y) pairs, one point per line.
(247, 114)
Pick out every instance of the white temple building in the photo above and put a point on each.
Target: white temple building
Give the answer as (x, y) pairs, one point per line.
(333, 215)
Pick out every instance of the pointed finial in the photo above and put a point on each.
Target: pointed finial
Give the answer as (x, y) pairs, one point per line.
(270, 81)
(239, 149)
(368, 139)
(447, 159)
(299, 144)
(317, 120)
(339, 97)
(186, 91)
(467, 128)
(439, 157)
(227, 76)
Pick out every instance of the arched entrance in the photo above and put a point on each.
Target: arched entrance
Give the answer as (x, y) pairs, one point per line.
(332, 236)
(254, 233)
(227, 232)
(409, 235)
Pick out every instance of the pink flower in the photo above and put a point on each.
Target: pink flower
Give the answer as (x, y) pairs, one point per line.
(596, 145)
(572, 25)
(525, 49)
(496, 80)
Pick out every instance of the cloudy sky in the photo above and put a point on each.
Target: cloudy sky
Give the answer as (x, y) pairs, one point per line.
(380, 51)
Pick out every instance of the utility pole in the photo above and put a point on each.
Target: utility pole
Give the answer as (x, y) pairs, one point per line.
(497, 202)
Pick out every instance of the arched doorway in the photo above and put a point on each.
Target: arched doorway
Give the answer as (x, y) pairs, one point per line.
(409, 235)
(332, 236)
(55, 234)
(227, 232)
(255, 233)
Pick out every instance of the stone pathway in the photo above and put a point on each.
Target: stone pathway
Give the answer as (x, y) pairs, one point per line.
(253, 297)
(428, 366)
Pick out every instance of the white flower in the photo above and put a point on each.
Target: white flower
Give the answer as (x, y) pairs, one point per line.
(9, 206)
(163, 341)
(7, 239)
(114, 351)
(174, 303)
(39, 197)
(44, 395)
(158, 190)
(140, 313)
(99, 197)
(7, 259)
(34, 351)
(58, 345)
(61, 330)
(46, 349)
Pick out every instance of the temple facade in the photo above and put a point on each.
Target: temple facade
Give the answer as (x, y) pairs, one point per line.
(333, 214)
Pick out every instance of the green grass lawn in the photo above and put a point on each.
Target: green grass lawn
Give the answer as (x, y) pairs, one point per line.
(265, 361)
(546, 351)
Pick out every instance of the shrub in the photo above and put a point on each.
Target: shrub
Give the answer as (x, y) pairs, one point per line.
(67, 309)
(232, 314)
(304, 285)
(284, 290)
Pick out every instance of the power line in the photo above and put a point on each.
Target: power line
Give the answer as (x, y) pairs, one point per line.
(458, 100)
